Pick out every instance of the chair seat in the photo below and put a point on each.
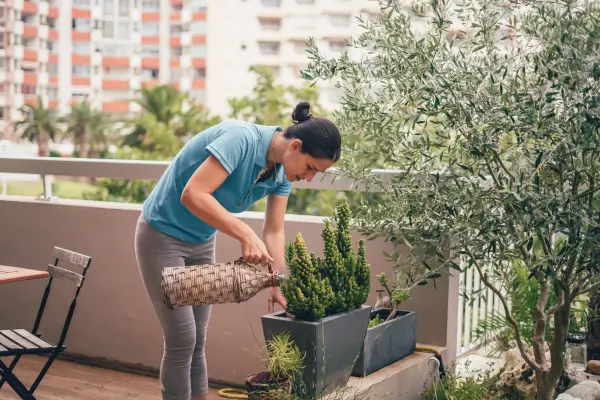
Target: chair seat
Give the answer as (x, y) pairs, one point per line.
(21, 341)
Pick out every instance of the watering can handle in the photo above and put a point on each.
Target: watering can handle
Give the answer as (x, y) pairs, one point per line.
(241, 261)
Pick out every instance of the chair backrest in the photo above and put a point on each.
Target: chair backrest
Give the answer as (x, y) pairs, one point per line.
(77, 279)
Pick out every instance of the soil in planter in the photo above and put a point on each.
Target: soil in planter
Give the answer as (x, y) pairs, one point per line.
(261, 386)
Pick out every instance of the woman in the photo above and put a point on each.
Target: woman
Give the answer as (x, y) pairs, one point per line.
(223, 170)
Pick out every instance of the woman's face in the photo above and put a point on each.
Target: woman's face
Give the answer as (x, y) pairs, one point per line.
(300, 166)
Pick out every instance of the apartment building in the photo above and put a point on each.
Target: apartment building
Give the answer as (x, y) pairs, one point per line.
(242, 33)
(101, 50)
(104, 50)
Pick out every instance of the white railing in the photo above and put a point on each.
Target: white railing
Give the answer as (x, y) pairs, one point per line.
(474, 310)
(147, 170)
(470, 316)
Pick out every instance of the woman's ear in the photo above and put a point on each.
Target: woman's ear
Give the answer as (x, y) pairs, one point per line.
(296, 145)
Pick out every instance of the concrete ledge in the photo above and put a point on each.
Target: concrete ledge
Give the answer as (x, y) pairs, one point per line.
(403, 380)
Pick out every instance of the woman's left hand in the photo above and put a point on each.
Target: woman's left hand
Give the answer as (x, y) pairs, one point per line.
(276, 296)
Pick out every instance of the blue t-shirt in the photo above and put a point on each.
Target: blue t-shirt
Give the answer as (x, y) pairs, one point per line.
(241, 147)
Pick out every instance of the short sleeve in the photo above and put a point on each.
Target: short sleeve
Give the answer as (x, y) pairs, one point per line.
(284, 189)
(232, 146)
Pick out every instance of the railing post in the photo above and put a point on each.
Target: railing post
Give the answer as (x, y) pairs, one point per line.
(47, 195)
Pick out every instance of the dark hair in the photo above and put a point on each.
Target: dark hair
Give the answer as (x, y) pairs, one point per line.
(320, 137)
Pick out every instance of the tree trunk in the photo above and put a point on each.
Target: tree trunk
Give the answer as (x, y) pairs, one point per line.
(548, 380)
(545, 389)
(43, 143)
(84, 150)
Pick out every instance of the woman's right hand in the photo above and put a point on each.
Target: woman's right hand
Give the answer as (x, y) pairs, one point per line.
(254, 250)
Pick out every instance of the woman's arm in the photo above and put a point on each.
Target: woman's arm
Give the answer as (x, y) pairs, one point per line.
(274, 237)
(197, 197)
(273, 230)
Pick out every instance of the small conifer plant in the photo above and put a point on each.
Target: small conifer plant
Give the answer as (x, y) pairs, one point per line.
(339, 281)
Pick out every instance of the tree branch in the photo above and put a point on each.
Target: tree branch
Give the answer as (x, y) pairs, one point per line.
(539, 336)
(560, 302)
(535, 366)
(587, 289)
(501, 164)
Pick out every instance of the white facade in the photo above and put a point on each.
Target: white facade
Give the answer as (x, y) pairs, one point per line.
(242, 33)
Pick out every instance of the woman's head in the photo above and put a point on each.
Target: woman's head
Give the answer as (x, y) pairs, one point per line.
(314, 144)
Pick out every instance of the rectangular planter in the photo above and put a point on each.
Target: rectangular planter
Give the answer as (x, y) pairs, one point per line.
(388, 342)
(330, 345)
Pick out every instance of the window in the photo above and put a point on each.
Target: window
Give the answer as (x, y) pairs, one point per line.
(118, 50)
(81, 48)
(82, 3)
(150, 50)
(337, 46)
(80, 95)
(108, 29)
(175, 74)
(53, 69)
(150, 28)
(271, 3)
(28, 19)
(197, 5)
(149, 73)
(28, 89)
(81, 70)
(198, 94)
(339, 19)
(176, 51)
(198, 50)
(176, 29)
(269, 48)
(124, 30)
(81, 24)
(29, 43)
(299, 46)
(198, 27)
(199, 73)
(109, 7)
(148, 5)
(123, 7)
(270, 24)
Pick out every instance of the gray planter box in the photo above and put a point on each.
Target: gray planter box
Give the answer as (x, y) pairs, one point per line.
(388, 342)
(331, 345)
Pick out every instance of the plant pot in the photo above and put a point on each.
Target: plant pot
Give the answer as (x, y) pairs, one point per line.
(261, 386)
(330, 346)
(593, 353)
(387, 342)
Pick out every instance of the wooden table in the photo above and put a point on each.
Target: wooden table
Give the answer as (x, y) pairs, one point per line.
(15, 274)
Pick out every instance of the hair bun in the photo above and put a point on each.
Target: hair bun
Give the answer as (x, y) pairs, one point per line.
(301, 112)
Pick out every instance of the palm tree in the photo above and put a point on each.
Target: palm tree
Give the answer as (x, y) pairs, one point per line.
(40, 124)
(164, 105)
(89, 128)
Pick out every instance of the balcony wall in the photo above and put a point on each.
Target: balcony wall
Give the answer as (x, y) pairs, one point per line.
(114, 322)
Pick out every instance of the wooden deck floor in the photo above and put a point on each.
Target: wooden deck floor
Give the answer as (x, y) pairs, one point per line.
(70, 381)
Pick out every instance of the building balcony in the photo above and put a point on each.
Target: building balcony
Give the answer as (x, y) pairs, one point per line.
(114, 324)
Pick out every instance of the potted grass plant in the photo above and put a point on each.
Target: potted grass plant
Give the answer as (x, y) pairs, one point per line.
(326, 296)
(284, 363)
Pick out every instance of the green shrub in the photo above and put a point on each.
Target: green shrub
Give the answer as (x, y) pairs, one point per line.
(337, 282)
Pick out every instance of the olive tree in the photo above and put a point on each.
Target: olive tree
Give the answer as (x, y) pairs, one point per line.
(491, 111)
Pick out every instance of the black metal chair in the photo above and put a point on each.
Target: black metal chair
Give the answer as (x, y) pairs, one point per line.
(20, 342)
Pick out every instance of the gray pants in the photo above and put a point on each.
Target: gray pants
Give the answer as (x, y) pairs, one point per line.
(183, 369)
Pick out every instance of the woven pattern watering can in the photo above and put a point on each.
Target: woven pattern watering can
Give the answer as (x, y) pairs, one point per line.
(230, 282)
